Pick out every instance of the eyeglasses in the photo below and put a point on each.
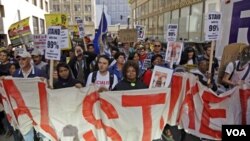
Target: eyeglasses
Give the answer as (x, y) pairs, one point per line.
(157, 45)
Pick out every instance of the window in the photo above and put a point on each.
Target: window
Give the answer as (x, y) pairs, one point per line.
(88, 8)
(66, 8)
(35, 25)
(34, 2)
(42, 27)
(56, 8)
(19, 15)
(41, 4)
(88, 19)
(77, 7)
(46, 6)
(2, 11)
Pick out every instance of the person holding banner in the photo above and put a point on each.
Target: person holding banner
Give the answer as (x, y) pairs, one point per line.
(238, 72)
(130, 80)
(65, 77)
(27, 70)
(102, 78)
(189, 59)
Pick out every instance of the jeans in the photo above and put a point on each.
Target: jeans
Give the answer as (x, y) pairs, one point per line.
(29, 136)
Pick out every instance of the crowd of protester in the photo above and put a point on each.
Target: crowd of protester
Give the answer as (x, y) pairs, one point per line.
(122, 68)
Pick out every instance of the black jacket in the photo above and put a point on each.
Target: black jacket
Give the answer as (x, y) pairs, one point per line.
(126, 85)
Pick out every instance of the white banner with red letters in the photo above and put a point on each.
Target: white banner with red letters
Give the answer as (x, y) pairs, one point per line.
(138, 115)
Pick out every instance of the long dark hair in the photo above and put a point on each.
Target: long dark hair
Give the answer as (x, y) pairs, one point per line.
(184, 56)
(64, 65)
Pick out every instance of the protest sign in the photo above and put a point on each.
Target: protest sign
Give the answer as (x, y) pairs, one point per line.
(64, 39)
(172, 32)
(56, 20)
(235, 24)
(127, 35)
(40, 42)
(161, 77)
(212, 26)
(80, 27)
(140, 32)
(20, 33)
(146, 64)
(53, 43)
(173, 53)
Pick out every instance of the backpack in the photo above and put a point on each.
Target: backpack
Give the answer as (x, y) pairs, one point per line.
(111, 79)
(236, 68)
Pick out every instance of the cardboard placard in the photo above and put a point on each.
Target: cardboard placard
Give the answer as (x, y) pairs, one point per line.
(127, 35)
(230, 53)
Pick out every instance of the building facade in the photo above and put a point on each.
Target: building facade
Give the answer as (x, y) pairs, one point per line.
(12, 11)
(76, 8)
(119, 10)
(188, 14)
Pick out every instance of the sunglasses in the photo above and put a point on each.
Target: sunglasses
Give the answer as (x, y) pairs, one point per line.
(157, 45)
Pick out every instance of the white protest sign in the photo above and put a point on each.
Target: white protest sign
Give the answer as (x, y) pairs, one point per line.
(53, 43)
(212, 26)
(80, 27)
(64, 38)
(173, 53)
(40, 42)
(140, 31)
(172, 32)
(161, 77)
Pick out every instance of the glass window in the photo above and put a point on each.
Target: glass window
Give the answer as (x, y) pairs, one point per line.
(34, 2)
(56, 8)
(212, 5)
(41, 4)
(167, 20)
(150, 6)
(42, 26)
(155, 5)
(35, 25)
(88, 8)
(175, 18)
(161, 24)
(195, 25)
(2, 11)
(184, 23)
(146, 7)
(46, 6)
(77, 7)
(66, 8)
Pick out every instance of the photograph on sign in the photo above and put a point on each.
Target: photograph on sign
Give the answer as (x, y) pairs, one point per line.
(53, 50)
(161, 77)
(212, 26)
(140, 31)
(173, 53)
(172, 32)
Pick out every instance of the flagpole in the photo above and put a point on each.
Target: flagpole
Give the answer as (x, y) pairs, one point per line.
(102, 47)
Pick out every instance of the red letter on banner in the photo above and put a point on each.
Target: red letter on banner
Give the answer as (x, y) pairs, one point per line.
(144, 101)
(44, 110)
(190, 92)
(109, 110)
(244, 98)
(208, 113)
(175, 93)
(12, 91)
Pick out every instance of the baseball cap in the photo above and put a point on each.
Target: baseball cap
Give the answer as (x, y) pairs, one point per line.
(36, 52)
(24, 54)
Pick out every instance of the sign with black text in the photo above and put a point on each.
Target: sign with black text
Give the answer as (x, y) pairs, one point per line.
(64, 38)
(40, 42)
(172, 32)
(212, 26)
(53, 43)
(140, 31)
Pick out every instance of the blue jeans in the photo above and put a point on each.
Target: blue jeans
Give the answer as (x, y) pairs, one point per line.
(29, 136)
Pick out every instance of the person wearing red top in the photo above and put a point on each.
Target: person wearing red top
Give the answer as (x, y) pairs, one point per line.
(155, 60)
(143, 54)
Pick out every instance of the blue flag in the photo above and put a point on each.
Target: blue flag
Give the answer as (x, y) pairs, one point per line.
(100, 35)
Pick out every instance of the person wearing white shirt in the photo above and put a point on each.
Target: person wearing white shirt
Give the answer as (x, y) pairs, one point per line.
(102, 78)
